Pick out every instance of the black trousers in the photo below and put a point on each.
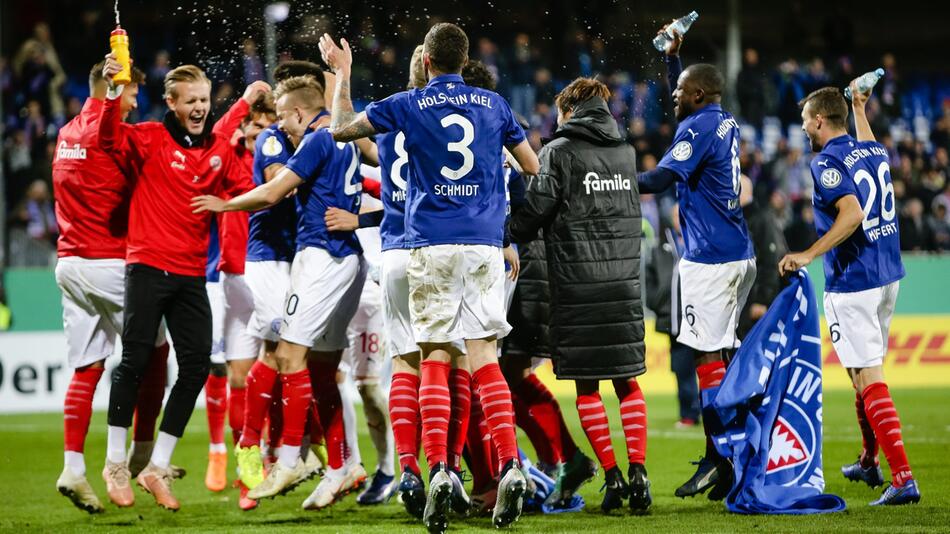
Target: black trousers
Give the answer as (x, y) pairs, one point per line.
(150, 295)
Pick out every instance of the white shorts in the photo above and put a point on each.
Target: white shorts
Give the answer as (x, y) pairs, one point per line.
(397, 329)
(324, 295)
(238, 307)
(457, 292)
(859, 324)
(363, 358)
(93, 301)
(216, 300)
(269, 282)
(711, 297)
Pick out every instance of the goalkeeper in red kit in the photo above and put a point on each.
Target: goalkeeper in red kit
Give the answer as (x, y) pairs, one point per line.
(171, 161)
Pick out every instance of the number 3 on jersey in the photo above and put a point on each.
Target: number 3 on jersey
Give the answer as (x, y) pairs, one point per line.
(461, 146)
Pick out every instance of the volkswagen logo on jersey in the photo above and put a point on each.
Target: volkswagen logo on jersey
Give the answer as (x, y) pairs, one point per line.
(682, 151)
(830, 178)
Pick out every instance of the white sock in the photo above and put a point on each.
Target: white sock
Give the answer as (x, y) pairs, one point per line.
(288, 455)
(164, 447)
(115, 448)
(75, 462)
(217, 447)
(349, 423)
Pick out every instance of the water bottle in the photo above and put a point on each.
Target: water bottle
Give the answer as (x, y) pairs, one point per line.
(119, 42)
(681, 25)
(866, 82)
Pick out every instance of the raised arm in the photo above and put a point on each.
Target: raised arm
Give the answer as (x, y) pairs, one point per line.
(861, 125)
(118, 140)
(231, 120)
(674, 67)
(345, 123)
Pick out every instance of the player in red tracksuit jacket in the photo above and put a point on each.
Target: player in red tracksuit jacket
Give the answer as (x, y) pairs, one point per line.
(172, 161)
(92, 208)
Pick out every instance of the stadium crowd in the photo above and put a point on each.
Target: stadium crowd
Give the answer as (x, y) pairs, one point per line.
(41, 92)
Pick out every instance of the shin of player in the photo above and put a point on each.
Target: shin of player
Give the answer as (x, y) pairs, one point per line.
(854, 218)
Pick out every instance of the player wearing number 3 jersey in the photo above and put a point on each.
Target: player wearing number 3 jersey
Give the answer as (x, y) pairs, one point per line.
(854, 216)
(455, 214)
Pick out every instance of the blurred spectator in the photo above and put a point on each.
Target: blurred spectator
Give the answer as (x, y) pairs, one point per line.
(36, 213)
(769, 245)
(792, 174)
(750, 89)
(941, 227)
(253, 67)
(800, 234)
(544, 85)
(223, 98)
(888, 88)
(916, 231)
(791, 89)
(522, 69)
(155, 83)
(37, 65)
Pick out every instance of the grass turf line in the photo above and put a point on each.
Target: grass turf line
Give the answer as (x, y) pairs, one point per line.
(32, 459)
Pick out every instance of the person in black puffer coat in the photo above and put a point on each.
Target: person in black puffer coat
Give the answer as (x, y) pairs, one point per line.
(586, 201)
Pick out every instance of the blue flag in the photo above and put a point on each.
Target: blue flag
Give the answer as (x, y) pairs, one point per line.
(769, 408)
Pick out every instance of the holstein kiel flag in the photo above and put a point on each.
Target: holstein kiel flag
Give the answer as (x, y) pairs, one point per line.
(769, 406)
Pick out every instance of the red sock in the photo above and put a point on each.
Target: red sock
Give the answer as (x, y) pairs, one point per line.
(297, 397)
(882, 414)
(151, 394)
(481, 451)
(633, 415)
(531, 426)
(460, 384)
(496, 404)
(710, 376)
(261, 381)
(275, 417)
(216, 399)
(322, 375)
(594, 421)
(77, 408)
(404, 414)
(870, 447)
(236, 401)
(544, 409)
(435, 407)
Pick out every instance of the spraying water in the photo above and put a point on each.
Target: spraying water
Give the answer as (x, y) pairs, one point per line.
(116, 9)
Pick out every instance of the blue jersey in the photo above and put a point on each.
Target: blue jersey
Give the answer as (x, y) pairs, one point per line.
(871, 256)
(454, 136)
(272, 232)
(393, 172)
(214, 253)
(705, 158)
(330, 180)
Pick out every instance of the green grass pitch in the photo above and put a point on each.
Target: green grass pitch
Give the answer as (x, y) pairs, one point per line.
(31, 459)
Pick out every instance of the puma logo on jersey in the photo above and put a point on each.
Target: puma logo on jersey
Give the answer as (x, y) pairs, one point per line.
(70, 152)
(823, 163)
(691, 132)
(179, 155)
(593, 182)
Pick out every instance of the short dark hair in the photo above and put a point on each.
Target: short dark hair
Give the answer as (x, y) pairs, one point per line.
(447, 47)
(294, 68)
(830, 104)
(707, 77)
(477, 74)
(580, 90)
(264, 105)
(95, 74)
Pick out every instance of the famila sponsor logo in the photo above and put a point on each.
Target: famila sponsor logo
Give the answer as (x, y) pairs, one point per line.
(63, 151)
(593, 182)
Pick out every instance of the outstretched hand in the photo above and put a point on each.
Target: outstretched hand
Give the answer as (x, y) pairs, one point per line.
(673, 49)
(254, 90)
(338, 58)
(858, 99)
(793, 262)
(207, 203)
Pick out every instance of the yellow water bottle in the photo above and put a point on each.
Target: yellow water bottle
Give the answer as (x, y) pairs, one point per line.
(119, 41)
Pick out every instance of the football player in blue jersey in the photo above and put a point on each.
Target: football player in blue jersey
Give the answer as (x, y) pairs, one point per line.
(326, 279)
(455, 212)
(718, 265)
(855, 212)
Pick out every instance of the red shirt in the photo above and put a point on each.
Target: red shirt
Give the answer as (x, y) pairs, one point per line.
(163, 231)
(92, 194)
(232, 232)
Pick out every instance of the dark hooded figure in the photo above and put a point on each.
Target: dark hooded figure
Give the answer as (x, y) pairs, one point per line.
(585, 199)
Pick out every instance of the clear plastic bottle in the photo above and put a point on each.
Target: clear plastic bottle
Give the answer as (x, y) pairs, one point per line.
(866, 82)
(681, 25)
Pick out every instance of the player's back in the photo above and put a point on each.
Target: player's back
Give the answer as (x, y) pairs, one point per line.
(705, 157)
(331, 179)
(870, 257)
(92, 194)
(454, 138)
(394, 171)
